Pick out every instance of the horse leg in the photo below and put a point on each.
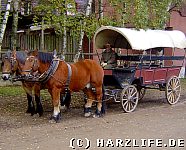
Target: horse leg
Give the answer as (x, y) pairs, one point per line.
(65, 99)
(55, 93)
(31, 108)
(89, 101)
(99, 97)
(39, 107)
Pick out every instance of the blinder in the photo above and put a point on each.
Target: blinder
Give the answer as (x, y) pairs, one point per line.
(33, 68)
(12, 62)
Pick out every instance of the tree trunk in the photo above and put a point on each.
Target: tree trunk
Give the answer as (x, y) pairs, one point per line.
(0, 7)
(4, 22)
(14, 25)
(88, 11)
(42, 35)
(64, 50)
(100, 3)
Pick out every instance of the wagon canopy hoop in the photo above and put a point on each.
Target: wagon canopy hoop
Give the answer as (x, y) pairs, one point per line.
(138, 39)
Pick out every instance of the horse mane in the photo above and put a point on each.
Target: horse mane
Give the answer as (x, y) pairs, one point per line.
(21, 56)
(7, 54)
(45, 57)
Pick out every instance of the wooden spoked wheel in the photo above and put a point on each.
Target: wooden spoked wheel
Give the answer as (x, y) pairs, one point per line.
(129, 98)
(173, 90)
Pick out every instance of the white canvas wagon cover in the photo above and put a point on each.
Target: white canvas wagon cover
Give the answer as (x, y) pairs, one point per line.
(138, 39)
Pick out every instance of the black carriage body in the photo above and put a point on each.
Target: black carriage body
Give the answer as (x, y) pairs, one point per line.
(142, 74)
(119, 77)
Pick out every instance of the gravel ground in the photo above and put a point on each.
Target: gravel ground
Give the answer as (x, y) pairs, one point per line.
(153, 118)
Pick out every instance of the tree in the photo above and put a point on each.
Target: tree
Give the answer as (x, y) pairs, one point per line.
(14, 24)
(4, 22)
(144, 13)
(139, 13)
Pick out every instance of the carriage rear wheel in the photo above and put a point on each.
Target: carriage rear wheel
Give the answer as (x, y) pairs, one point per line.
(129, 98)
(173, 90)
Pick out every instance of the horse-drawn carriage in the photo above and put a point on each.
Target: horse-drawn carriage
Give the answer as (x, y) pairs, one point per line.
(146, 59)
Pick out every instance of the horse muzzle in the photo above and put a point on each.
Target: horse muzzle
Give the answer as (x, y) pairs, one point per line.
(5, 76)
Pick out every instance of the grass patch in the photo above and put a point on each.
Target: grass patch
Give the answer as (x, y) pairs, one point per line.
(19, 91)
(183, 81)
(11, 91)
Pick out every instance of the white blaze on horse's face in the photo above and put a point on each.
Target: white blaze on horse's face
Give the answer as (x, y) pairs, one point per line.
(5, 76)
(6, 69)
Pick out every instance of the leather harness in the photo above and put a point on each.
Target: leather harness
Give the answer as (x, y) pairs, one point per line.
(44, 77)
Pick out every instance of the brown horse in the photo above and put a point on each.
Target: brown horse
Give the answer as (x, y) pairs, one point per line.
(12, 63)
(86, 75)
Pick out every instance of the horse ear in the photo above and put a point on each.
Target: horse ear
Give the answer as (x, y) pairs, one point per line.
(26, 51)
(55, 53)
(35, 53)
(14, 53)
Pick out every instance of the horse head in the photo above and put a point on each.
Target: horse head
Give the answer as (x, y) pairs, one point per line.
(31, 65)
(9, 65)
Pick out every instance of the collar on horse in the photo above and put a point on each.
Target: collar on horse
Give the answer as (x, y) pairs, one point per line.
(44, 77)
(52, 69)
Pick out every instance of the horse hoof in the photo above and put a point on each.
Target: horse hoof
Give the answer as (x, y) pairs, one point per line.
(30, 110)
(40, 114)
(33, 112)
(55, 118)
(88, 114)
(39, 111)
(97, 114)
(64, 108)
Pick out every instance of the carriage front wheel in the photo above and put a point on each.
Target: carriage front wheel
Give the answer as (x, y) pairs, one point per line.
(129, 98)
(173, 90)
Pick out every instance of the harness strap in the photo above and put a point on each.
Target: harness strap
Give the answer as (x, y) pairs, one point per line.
(52, 69)
(69, 76)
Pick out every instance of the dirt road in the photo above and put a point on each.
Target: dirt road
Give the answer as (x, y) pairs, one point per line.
(154, 123)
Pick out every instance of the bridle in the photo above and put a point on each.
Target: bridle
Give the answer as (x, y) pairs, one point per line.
(12, 61)
(34, 65)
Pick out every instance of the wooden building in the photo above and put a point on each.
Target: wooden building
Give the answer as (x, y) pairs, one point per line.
(30, 38)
